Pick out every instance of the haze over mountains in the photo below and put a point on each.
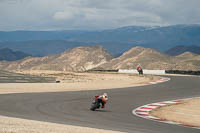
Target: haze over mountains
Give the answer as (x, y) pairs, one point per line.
(96, 57)
(115, 41)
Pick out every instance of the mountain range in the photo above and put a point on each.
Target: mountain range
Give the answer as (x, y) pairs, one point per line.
(154, 60)
(10, 55)
(96, 57)
(77, 59)
(181, 49)
(115, 41)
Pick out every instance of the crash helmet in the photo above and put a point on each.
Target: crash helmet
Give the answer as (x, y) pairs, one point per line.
(105, 95)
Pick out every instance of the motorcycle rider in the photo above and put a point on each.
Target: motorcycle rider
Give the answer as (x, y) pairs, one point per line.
(102, 99)
(139, 69)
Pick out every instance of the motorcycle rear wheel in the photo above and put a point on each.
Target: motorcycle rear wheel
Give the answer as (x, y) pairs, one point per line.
(94, 106)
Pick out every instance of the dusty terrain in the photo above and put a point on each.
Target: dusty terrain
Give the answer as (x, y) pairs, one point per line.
(187, 113)
(77, 81)
(15, 125)
(68, 82)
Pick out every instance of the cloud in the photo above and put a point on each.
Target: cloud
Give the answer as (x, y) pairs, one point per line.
(63, 15)
(95, 14)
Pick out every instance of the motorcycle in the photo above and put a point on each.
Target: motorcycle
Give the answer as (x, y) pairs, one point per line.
(95, 105)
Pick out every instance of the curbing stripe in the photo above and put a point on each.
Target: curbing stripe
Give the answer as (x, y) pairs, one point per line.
(154, 105)
(141, 111)
(163, 79)
(144, 112)
(146, 108)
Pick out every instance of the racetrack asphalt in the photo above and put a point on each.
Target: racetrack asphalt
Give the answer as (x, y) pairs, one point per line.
(73, 107)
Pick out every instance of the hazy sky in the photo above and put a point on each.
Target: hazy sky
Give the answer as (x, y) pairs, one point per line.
(95, 14)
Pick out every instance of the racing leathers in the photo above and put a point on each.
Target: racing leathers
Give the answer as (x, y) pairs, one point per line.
(101, 99)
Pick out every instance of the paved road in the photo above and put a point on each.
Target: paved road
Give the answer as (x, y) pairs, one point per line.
(73, 107)
(11, 77)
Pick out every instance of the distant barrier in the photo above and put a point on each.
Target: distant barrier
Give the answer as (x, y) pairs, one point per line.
(182, 72)
(128, 71)
(154, 72)
(102, 71)
(145, 71)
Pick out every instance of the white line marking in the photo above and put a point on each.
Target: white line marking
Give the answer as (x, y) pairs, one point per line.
(144, 112)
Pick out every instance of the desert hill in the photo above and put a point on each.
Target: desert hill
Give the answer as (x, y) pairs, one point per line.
(77, 59)
(190, 59)
(182, 49)
(135, 56)
(96, 57)
(151, 59)
(187, 55)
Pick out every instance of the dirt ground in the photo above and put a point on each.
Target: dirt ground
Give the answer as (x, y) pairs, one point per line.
(15, 125)
(68, 82)
(77, 81)
(187, 112)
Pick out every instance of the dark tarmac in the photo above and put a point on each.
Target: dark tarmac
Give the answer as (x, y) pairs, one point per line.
(10, 77)
(73, 107)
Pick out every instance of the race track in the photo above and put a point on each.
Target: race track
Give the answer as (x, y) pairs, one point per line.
(73, 107)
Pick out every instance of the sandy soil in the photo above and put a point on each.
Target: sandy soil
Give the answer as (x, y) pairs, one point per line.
(15, 125)
(69, 82)
(77, 81)
(187, 113)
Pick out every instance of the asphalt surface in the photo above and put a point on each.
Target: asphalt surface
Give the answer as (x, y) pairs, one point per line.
(11, 77)
(73, 107)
